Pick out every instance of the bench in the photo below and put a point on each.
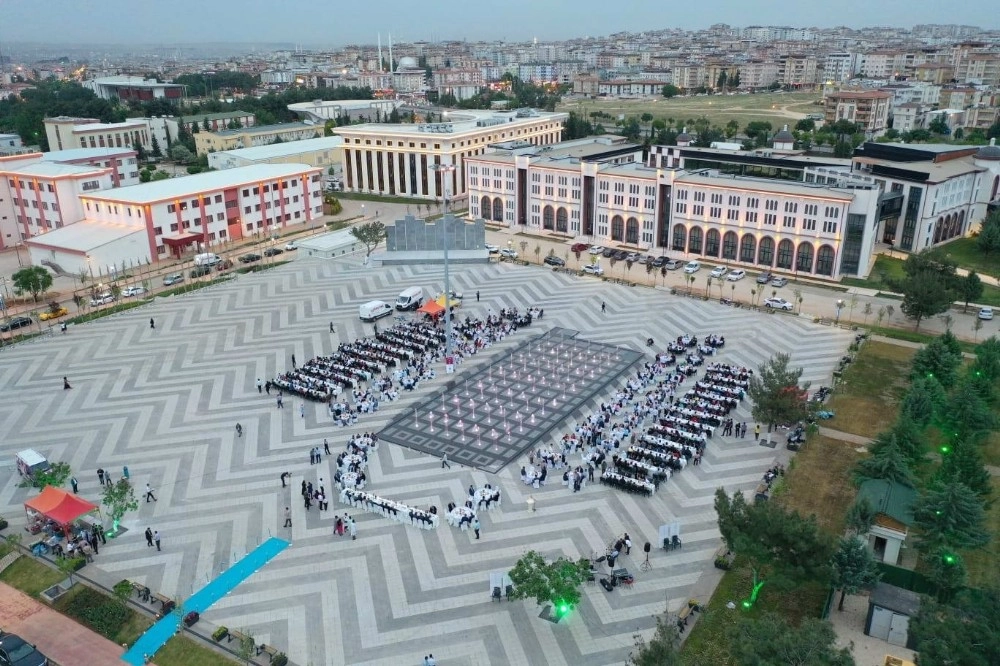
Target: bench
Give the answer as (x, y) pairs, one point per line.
(271, 652)
(240, 637)
(141, 591)
(682, 617)
(166, 603)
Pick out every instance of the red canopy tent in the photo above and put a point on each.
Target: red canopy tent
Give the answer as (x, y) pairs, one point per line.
(59, 506)
(432, 308)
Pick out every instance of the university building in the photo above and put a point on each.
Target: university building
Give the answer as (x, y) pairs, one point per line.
(402, 159)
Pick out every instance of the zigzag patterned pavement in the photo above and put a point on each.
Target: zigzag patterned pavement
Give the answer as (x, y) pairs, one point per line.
(165, 403)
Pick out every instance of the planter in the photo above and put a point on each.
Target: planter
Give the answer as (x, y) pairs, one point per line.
(279, 660)
(722, 563)
(191, 618)
(3, 524)
(219, 634)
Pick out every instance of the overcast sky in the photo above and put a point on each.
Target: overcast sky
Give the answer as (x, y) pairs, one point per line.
(157, 22)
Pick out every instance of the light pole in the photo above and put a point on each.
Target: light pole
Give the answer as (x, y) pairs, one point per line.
(445, 221)
(840, 306)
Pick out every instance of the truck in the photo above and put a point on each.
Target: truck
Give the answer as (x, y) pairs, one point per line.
(30, 462)
(410, 299)
(207, 259)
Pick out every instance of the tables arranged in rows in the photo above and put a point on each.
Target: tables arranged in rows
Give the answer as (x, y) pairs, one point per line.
(460, 517)
(627, 483)
(386, 508)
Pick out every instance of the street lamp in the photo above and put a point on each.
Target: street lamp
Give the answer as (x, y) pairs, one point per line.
(445, 222)
(840, 306)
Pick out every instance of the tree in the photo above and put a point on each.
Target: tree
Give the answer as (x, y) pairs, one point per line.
(923, 401)
(949, 516)
(861, 516)
(776, 394)
(204, 124)
(771, 640)
(854, 568)
(780, 545)
(939, 359)
(145, 176)
(123, 592)
(34, 280)
(555, 582)
(988, 240)
(140, 151)
(964, 464)
(888, 463)
(927, 286)
(370, 234)
(120, 499)
(55, 476)
(867, 311)
(939, 126)
(969, 415)
(160, 175)
(246, 649)
(969, 288)
(538, 253)
(843, 149)
(964, 631)
(663, 649)
(180, 153)
(671, 90)
(806, 125)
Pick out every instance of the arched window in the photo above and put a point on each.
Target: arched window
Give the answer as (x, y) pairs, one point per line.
(562, 223)
(712, 243)
(729, 245)
(680, 235)
(804, 263)
(548, 218)
(498, 210)
(824, 260)
(617, 228)
(632, 231)
(765, 254)
(785, 254)
(996, 188)
(485, 208)
(748, 248)
(694, 240)
(937, 229)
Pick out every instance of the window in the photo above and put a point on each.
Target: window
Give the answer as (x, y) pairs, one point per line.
(811, 209)
(770, 219)
(682, 208)
(791, 207)
(218, 198)
(809, 225)
(734, 200)
(789, 222)
(716, 198)
(771, 204)
(715, 212)
(699, 196)
(752, 217)
(733, 214)
(729, 245)
(753, 202)
(785, 254)
(829, 227)
(712, 243)
(698, 210)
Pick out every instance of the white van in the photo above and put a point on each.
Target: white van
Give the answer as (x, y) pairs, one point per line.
(410, 299)
(373, 310)
(30, 461)
(207, 259)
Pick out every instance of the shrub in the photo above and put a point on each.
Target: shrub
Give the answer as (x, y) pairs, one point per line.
(3, 523)
(103, 615)
(279, 660)
(220, 633)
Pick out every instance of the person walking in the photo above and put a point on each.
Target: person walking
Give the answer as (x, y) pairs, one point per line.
(156, 539)
(756, 433)
(326, 446)
(149, 494)
(293, 361)
(149, 538)
(332, 329)
(288, 517)
(152, 324)
(66, 384)
(260, 386)
(73, 482)
(308, 501)
(302, 410)
(239, 430)
(475, 526)
(125, 474)
(477, 296)
(353, 529)
(284, 475)
(604, 307)
(281, 405)
(62, 326)
(100, 475)
(444, 462)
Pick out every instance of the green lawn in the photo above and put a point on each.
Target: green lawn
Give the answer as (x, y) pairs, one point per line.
(891, 268)
(30, 576)
(963, 252)
(982, 564)
(106, 312)
(184, 651)
(103, 614)
(360, 196)
(866, 398)
(818, 482)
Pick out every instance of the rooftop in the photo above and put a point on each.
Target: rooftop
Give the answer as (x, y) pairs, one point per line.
(55, 170)
(264, 129)
(100, 127)
(455, 124)
(285, 149)
(185, 186)
(133, 82)
(87, 235)
(892, 499)
(763, 184)
(861, 94)
(73, 154)
(224, 115)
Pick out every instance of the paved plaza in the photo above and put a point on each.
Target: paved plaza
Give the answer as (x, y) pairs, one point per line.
(165, 401)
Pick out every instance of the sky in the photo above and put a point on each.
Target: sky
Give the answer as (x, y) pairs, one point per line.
(159, 22)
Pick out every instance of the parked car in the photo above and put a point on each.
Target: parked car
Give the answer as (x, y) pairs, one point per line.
(249, 258)
(620, 255)
(508, 253)
(672, 264)
(224, 265)
(737, 274)
(692, 267)
(176, 278)
(492, 249)
(15, 651)
(779, 282)
(14, 323)
(719, 271)
(54, 312)
(633, 257)
(777, 304)
(660, 261)
(291, 246)
(273, 252)
(986, 314)
(134, 290)
(201, 271)
(765, 277)
(608, 252)
(593, 269)
(596, 249)
(553, 260)
(579, 247)
(102, 299)
(647, 260)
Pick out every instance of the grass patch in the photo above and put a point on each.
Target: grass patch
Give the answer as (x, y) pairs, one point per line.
(361, 196)
(194, 286)
(106, 312)
(184, 651)
(257, 268)
(707, 643)
(103, 614)
(885, 270)
(982, 563)
(337, 225)
(30, 576)
(963, 252)
(818, 482)
(866, 398)
(909, 335)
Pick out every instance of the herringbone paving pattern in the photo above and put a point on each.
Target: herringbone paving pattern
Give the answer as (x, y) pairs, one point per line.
(165, 403)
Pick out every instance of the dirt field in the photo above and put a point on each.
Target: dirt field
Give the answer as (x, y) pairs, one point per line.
(775, 108)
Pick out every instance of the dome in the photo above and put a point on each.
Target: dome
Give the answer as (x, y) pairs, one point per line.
(408, 62)
(990, 153)
(784, 136)
(684, 136)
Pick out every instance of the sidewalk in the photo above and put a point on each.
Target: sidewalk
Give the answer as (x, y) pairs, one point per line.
(61, 639)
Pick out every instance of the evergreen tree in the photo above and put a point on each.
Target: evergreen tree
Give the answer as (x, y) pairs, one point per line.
(939, 359)
(964, 464)
(922, 402)
(157, 152)
(861, 516)
(988, 240)
(969, 415)
(965, 631)
(970, 287)
(887, 463)
(771, 640)
(949, 516)
(854, 568)
(776, 394)
(988, 359)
